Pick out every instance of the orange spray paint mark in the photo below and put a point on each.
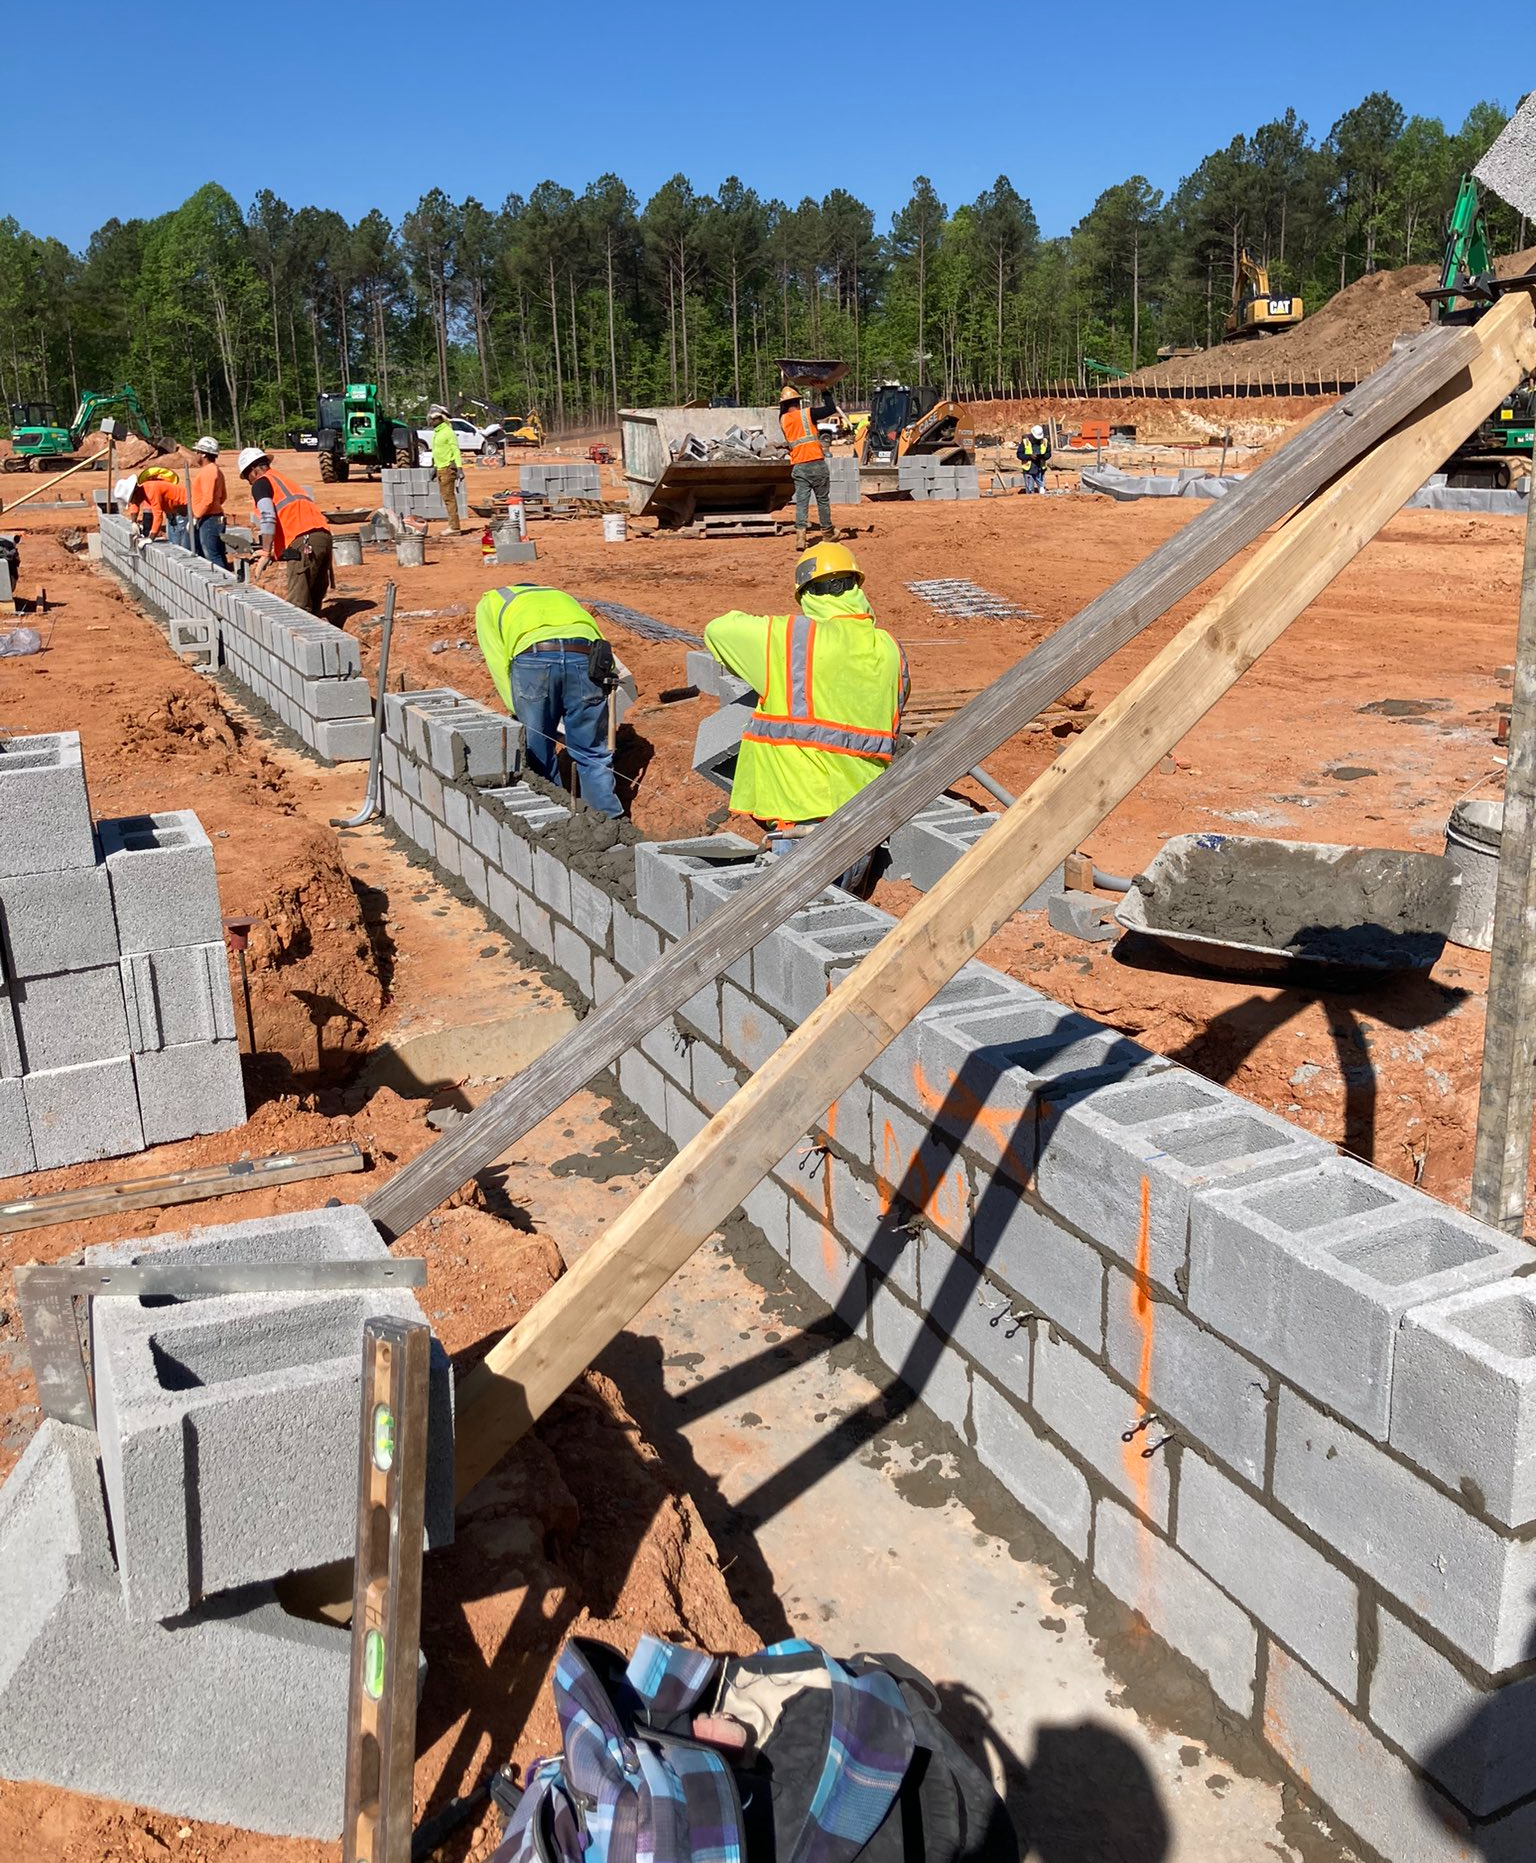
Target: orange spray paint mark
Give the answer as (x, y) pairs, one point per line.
(1000, 1123)
(829, 1245)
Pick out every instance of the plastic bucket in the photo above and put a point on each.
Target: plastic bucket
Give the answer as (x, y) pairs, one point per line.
(517, 516)
(347, 552)
(411, 552)
(1472, 837)
(613, 527)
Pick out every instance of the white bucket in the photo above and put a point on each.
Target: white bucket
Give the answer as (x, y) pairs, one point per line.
(411, 552)
(347, 552)
(614, 530)
(1472, 837)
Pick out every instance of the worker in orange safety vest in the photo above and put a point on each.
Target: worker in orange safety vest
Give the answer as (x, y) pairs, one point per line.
(292, 530)
(808, 465)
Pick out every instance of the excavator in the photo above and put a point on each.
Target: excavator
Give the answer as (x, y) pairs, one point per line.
(1256, 311)
(38, 441)
(1504, 445)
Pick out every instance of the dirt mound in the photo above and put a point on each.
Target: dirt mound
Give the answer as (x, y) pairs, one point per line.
(1345, 339)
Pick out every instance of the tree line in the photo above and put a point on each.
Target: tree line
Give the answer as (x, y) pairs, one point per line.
(234, 322)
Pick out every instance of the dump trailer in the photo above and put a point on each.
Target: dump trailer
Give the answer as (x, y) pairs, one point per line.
(671, 475)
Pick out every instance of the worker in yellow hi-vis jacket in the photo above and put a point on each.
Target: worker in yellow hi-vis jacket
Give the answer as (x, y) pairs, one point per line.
(553, 669)
(831, 684)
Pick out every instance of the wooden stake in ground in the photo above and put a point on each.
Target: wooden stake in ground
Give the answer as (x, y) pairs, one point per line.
(1502, 1159)
(1064, 660)
(528, 1369)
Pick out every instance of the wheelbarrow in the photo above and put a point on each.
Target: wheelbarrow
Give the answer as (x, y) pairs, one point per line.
(1238, 902)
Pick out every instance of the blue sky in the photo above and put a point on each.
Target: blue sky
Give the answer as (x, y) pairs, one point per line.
(1065, 100)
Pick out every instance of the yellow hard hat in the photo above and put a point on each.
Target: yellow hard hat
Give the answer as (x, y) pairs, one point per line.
(826, 559)
(789, 392)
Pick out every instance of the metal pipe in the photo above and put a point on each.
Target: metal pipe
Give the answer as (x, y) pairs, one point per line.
(370, 806)
(992, 786)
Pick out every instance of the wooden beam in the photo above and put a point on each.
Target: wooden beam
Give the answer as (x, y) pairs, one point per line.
(651, 1238)
(57, 479)
(152, 1193)
(1175, 570)
(1502, 1159)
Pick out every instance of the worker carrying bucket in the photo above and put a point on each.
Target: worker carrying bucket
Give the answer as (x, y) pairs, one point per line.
(832, 684)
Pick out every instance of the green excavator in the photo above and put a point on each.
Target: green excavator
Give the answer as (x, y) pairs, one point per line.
(38, 441)
(1504, 445)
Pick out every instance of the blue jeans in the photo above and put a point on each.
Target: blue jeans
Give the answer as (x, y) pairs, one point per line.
(1034, 476)
(176, 532)
(210, 541)
(856, 879)
(551, 691)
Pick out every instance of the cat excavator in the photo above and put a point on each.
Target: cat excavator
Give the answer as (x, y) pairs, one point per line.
(1256, 310)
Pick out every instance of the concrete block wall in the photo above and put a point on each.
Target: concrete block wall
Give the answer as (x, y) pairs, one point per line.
(1272, 1400)
(305, 670)
(116, 1015)
(225, 1456)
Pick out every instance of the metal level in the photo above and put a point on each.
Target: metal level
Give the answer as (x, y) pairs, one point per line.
(386, 1596)
(46, 1298)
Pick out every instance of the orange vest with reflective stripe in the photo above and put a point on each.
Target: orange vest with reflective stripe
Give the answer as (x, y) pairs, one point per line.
(800, 435)
(296, 511)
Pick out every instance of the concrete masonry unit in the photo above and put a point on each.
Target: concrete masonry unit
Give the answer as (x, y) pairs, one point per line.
(143, 1652)
(116, 1017)
(1078, 1253)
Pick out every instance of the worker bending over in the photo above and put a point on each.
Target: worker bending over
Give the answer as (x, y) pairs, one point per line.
(208, 494)
(291, 530)
(158, 505)
(808, 465)
(831, 685)
(553, 670)
(448, 462)
(1034, 455)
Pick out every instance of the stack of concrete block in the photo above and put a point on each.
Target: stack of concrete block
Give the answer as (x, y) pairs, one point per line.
(305, 670)
(922, 476)
(561, 479)
(153, 1662)
(844, 469)
(717, 742)
(1074, 1251)
(116, 1020)
(414, 491)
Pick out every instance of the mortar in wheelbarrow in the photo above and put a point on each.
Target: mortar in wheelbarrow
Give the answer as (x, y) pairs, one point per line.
(1241, 903)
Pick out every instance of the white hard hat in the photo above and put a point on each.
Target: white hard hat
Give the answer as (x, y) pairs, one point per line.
(252, 456)
(123, 490)
(437, 413)
(1037, 433)
(207, 445)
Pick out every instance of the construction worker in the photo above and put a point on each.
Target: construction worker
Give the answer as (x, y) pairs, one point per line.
(808, 465)
(291, 530)
(831, 687)
(448, 461)
(1034, 454)
(553, 670)
(208, 495)
(159, 507)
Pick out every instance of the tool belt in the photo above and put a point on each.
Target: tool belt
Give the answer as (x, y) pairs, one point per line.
(301, 548)
(601, 666)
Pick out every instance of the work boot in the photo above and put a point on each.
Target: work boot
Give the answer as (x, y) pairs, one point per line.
(800, 540)
(829, 533)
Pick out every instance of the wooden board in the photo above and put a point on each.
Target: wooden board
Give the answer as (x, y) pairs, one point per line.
(150, 1193)
(1502, 1156)
(650, 1239)
(1201, 548)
